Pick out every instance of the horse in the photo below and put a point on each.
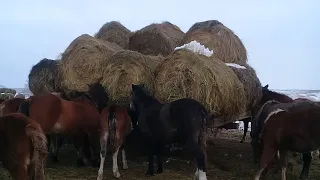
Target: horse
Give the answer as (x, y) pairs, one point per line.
(23, 148)
(285, 131)
(1, 100)
(10, 106)
(268, 109)
(115, 125)
(59, 116)
(183, 120)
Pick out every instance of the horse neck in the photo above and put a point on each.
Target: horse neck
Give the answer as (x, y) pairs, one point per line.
(278, 97)
(146, 101)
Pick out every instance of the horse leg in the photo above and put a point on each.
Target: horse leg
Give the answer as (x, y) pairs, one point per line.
(151, 150)
(198, 146)
(56, 145)
(79, 144)
(159, 154)
(103, 152)
(246, 126)
(266, 157)
(115, 168)
(20, 172)
(124, 158)
(306, 165)
(284, 163)
(94, 150)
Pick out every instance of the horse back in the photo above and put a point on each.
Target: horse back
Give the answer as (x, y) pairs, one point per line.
(10, 106)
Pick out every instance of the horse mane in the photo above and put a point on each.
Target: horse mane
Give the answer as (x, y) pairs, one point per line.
(272, 95)
(263, 106)
(98, 94)
(144, 94)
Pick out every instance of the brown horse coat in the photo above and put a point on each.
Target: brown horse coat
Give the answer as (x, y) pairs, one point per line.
(10, 106)
(23, 147)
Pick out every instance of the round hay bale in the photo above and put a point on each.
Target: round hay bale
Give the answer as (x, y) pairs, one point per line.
(185, 74)
(156, 39)
(81, 63)
(7, 90)
(251, 84)
(114, 32)
(125, 68)
(226, 45)
(6, 96)
(44, 77)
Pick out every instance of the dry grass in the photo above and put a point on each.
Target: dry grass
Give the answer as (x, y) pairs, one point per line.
(44, 77)
(81, 63)
(126, 68)
(227, 160)
(156, 39)
(214, 35)
(114, 32)
(251, 85)
(185, 74)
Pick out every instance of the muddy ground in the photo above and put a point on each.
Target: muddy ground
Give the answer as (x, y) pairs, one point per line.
(227, 158)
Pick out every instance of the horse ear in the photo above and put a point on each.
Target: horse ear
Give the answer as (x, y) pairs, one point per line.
(266, 86)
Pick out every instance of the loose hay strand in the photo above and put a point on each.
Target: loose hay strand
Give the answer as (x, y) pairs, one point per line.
(185, 74)
(81, 63)
(225, 44)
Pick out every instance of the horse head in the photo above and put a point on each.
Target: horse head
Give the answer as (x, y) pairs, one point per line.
(139, 95)
(98, 94)
(268, 95)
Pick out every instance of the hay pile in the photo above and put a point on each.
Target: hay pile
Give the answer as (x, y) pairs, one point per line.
(251, 85)
(114, 32)
(185, 74)
(126, 68)
(156, 39)
(44, 77)
(225, 44)
(7, 90)
(81, 63)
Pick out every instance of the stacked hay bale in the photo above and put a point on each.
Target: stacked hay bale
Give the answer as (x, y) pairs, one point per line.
(214, 35)
(44, 77)
(156, 39)
(7, 93)
(83, 62)
(7, 90)
(114, 32)
(185, 74)
(125, 68)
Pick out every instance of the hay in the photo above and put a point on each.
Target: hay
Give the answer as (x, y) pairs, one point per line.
(156, 39)
(251, 84)
(185, 74)
(6, 96)
(7, 90)
(81, 63)
(126, 68)
(44, 77)
(225, 44)
(114, 32)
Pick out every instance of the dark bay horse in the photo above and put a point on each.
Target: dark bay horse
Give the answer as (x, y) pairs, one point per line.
(23, 148)
(115, 125)
(182, 120)
(10, 106)
(267, 110)
(296, 131)
(59, 116)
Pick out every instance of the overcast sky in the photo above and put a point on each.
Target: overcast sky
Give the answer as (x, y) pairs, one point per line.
(282, 37)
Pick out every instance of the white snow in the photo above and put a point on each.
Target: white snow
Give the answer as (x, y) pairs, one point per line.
(236, 66)
(196, 47)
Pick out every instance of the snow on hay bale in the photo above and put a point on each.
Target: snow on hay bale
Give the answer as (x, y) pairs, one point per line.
(125, 68)
(251, 83)
(83, 62)
(114, 32)
(44, 77)
(225, 44)
(187, 74)
(156, 39)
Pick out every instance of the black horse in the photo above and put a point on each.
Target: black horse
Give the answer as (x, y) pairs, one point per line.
(183, 121)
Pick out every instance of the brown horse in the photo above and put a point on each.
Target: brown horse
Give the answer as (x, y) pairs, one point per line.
(296, 131)
(1, 100)
(10, 106)
(115, 125)
(75, 119)
(23, 147)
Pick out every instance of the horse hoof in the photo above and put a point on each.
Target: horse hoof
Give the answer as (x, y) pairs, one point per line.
(149, 173)
(117, 175)
(125, 167)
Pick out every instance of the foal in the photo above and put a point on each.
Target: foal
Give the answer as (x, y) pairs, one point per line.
(115, 125)
(296, 131)
(183, 120)
(23, 148)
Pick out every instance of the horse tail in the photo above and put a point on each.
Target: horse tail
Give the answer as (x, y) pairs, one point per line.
(24, 108)
(112, 124)
(39, 144)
